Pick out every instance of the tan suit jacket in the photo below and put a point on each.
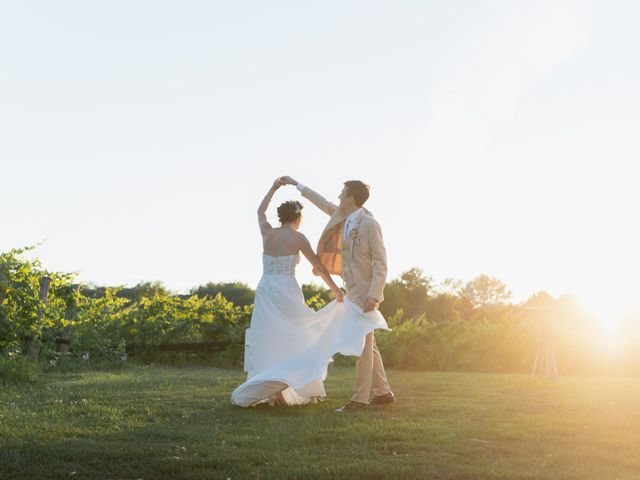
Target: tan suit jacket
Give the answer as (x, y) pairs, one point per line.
(361, 260)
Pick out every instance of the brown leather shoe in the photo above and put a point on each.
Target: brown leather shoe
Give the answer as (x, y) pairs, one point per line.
(353, 407)
(383, 399)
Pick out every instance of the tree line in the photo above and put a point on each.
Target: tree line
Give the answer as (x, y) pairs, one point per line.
(451, 325)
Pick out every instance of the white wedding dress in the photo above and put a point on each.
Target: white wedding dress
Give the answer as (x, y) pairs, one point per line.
(289, 346)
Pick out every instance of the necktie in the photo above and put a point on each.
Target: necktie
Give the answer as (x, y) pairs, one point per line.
(347, 225)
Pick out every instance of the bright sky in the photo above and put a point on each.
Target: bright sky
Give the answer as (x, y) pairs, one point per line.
(498, 137)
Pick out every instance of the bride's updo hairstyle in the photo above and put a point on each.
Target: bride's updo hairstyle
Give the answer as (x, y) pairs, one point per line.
(289, 211)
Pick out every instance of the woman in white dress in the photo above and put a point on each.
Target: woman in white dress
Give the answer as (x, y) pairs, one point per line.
(288, 346)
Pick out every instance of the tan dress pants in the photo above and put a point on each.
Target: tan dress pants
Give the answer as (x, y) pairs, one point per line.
(370, 374)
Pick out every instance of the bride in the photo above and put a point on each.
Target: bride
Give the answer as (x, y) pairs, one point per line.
(288, 345)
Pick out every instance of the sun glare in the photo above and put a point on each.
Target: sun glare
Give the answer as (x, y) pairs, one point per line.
(610, 309)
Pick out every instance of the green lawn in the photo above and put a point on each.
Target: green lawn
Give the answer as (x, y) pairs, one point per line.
(162, 422)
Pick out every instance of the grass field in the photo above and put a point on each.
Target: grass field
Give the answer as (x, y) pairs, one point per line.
(161, 422)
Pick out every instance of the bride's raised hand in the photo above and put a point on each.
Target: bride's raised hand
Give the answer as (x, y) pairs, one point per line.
(287, 180)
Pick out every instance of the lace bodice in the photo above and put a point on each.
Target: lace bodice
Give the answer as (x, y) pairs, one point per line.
(285, 265)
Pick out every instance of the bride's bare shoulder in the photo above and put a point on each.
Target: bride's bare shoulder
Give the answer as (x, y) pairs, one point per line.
(301, 239)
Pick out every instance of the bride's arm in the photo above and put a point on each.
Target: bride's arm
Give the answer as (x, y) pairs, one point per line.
(308, 252)
(265, 226)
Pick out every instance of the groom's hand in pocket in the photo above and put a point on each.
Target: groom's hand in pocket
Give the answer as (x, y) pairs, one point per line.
(369, 304)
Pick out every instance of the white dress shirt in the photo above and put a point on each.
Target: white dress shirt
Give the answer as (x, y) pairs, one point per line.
(349, 223)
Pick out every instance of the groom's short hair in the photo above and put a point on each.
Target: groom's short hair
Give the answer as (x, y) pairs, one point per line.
(358, 190)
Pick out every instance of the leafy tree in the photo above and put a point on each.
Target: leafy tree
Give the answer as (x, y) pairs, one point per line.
(236, 292)
(484, 290)
(541, 299)
(135, 293)
(143, 290)
(444, 307)
(410, 292)
(394, 300)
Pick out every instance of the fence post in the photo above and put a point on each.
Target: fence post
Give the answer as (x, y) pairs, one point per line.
(33, 347)
(64, 344)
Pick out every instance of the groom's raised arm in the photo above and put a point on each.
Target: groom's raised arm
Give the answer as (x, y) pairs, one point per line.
(318, 200)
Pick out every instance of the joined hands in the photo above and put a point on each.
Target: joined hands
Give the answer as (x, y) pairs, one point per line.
(286, 180)
(281, 181)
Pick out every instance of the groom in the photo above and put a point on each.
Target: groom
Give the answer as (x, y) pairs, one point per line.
(351, 246)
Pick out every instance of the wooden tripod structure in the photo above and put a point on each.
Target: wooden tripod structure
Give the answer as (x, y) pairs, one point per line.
(545, 361)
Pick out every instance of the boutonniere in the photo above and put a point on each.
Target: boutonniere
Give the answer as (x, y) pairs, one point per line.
(354, 233)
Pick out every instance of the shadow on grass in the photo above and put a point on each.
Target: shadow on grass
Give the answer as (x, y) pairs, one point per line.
(222, 440)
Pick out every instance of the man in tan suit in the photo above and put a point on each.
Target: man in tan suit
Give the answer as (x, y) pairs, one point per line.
(351, 246)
